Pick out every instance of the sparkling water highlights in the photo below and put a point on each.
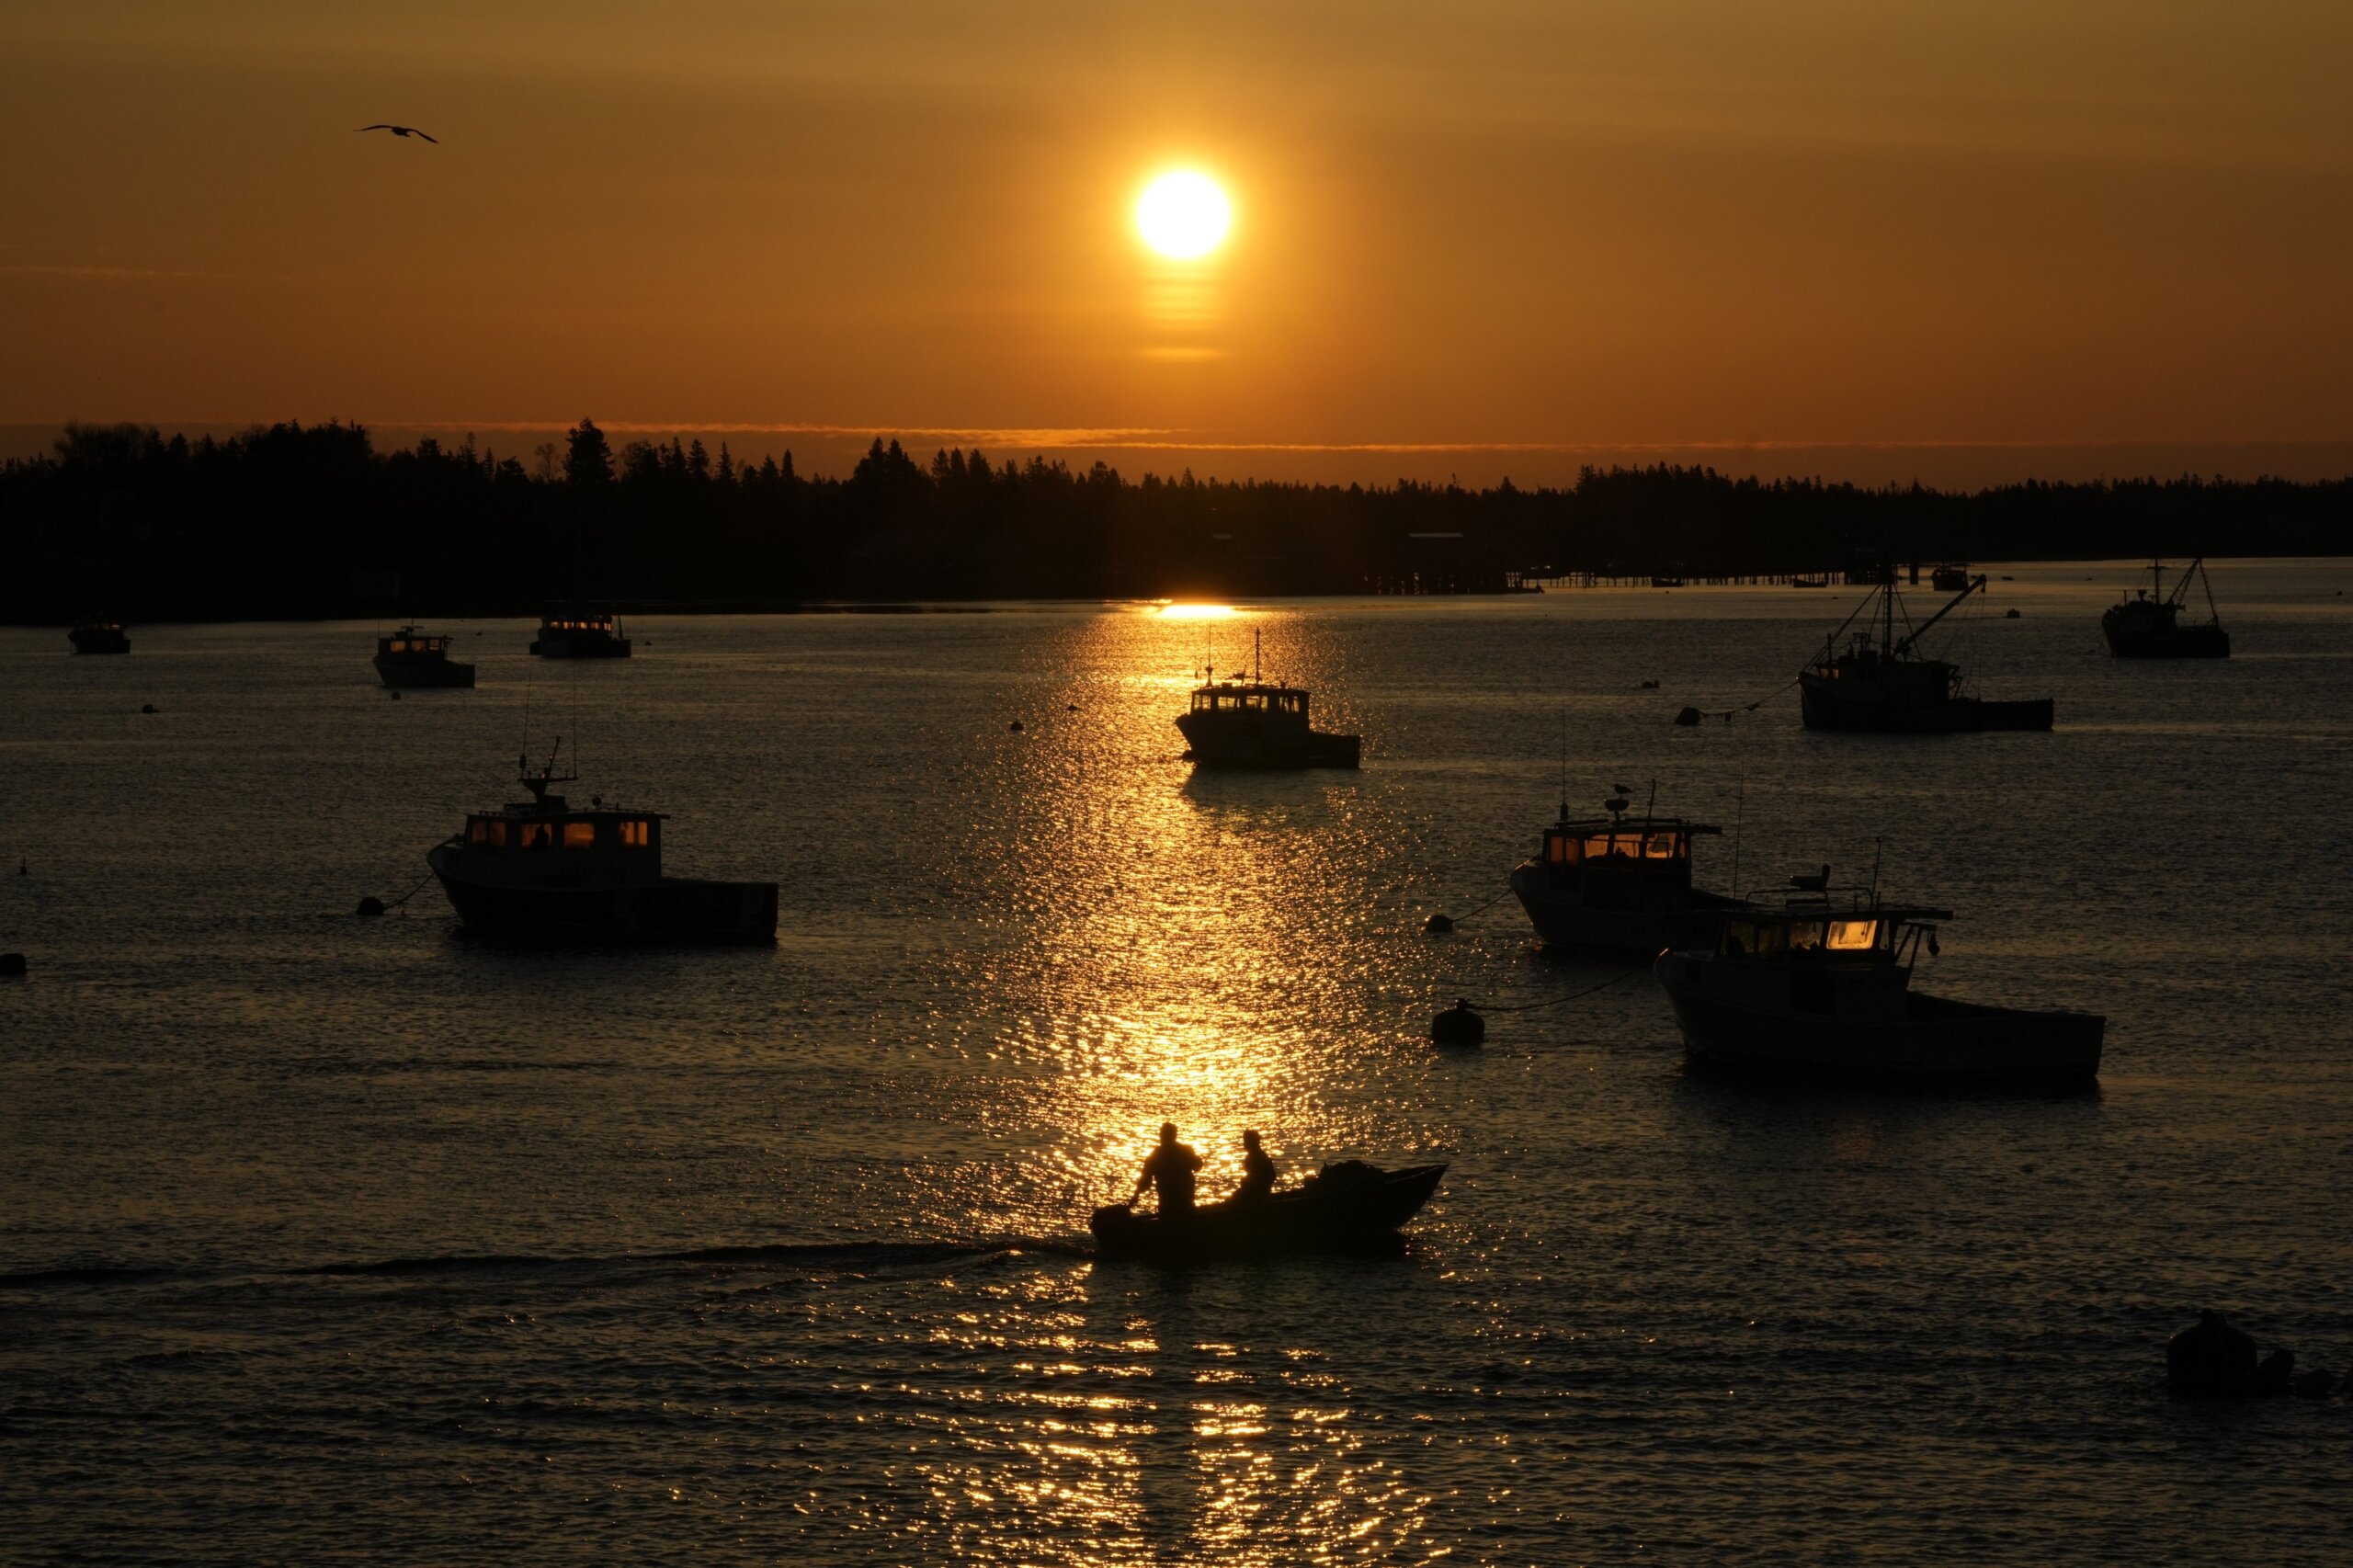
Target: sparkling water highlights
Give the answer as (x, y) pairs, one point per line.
(322, 1237)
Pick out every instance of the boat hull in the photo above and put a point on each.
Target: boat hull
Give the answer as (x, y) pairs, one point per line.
(1935, 1040)
(667, 910)
(1325, 1215)
(1231, 745)
(1565, 920)
(554, 647)
(423, 676)
(1825, 709)
(2182, 642)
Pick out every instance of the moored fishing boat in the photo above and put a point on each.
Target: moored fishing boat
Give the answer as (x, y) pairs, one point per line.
(544, 869)
(580, 634)
(1347, 1207)
(414, 658)
(2149, 625)
(1259, 723)
(1882, 683)
(1814, 988)
(99, 637)
(1616, 883)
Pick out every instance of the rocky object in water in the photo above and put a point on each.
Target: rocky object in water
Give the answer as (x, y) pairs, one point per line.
(1686, 718)
(12, 964)
(1438, 925)
(2214, 1360)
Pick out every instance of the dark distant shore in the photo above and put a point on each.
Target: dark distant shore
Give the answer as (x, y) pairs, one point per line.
(295, 522)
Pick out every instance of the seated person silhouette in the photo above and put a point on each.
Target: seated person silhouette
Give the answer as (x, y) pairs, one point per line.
(1257, 1173)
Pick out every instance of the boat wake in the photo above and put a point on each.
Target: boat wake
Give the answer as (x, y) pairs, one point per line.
(849, 1258)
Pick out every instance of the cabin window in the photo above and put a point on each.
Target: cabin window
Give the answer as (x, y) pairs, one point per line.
(580, 836)
(1853, 935)
(1664, 846)
(636, 835)
(537, 836)
(1560, 849)
(487, 833)
(1805, 936)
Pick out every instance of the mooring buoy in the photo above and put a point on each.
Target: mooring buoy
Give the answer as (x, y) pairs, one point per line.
(1459, 1025)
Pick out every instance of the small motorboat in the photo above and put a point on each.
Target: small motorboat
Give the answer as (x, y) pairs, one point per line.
(1347, 1207)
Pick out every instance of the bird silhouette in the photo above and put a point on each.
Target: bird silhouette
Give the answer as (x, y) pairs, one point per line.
(401, 130)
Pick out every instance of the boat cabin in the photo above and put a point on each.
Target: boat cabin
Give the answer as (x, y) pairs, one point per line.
(547, 842)
(409, 642)
(1663, 843)
(592, 625)
(1814, 957)
(1231, 700)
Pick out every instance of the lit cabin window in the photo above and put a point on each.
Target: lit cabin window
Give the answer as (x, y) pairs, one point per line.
(1853, 935)
(537, 836)
(477, 831)
(636, 835)
(580, 836)
(1664, 847)
(1560, 849)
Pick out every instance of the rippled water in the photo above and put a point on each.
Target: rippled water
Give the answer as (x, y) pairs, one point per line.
(323, 1236)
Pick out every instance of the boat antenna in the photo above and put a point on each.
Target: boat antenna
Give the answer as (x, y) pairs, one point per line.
(1649, 806)
(1739, 805)
(1878, 845)
(1565, 764)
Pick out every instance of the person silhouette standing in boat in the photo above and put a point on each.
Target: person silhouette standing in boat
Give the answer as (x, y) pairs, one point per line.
(1257, 1173)
(1170, 1168)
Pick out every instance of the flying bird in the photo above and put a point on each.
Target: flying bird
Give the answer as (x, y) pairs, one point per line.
(401, 130)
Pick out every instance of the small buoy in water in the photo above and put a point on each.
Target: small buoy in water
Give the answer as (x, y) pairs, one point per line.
(146, 708)
(12, 963)
(1687, 717)
(2009, 615)
(1070, 707)
(1438, 925)
(396, 697)
(1459, 1025)
(1015, 726)
(1649, 685)
(371, 906)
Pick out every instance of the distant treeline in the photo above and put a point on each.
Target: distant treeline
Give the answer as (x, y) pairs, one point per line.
(310, 521)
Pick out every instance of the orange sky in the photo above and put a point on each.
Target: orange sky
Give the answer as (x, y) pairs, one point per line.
(1480, 238)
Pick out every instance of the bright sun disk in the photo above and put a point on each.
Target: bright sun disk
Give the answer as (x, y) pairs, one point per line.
(1183, 215)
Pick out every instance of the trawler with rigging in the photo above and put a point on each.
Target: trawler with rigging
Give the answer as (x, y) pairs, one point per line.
(2149, 625)
(1882, 682)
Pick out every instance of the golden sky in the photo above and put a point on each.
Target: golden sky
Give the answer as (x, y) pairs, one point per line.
(1474, 236)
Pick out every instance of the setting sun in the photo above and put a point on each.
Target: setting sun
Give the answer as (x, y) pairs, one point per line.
(1183, 215)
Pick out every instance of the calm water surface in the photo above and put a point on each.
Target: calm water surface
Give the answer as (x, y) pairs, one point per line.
(321, 1237)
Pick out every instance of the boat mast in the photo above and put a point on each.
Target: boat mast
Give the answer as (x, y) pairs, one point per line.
(1257, 670)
